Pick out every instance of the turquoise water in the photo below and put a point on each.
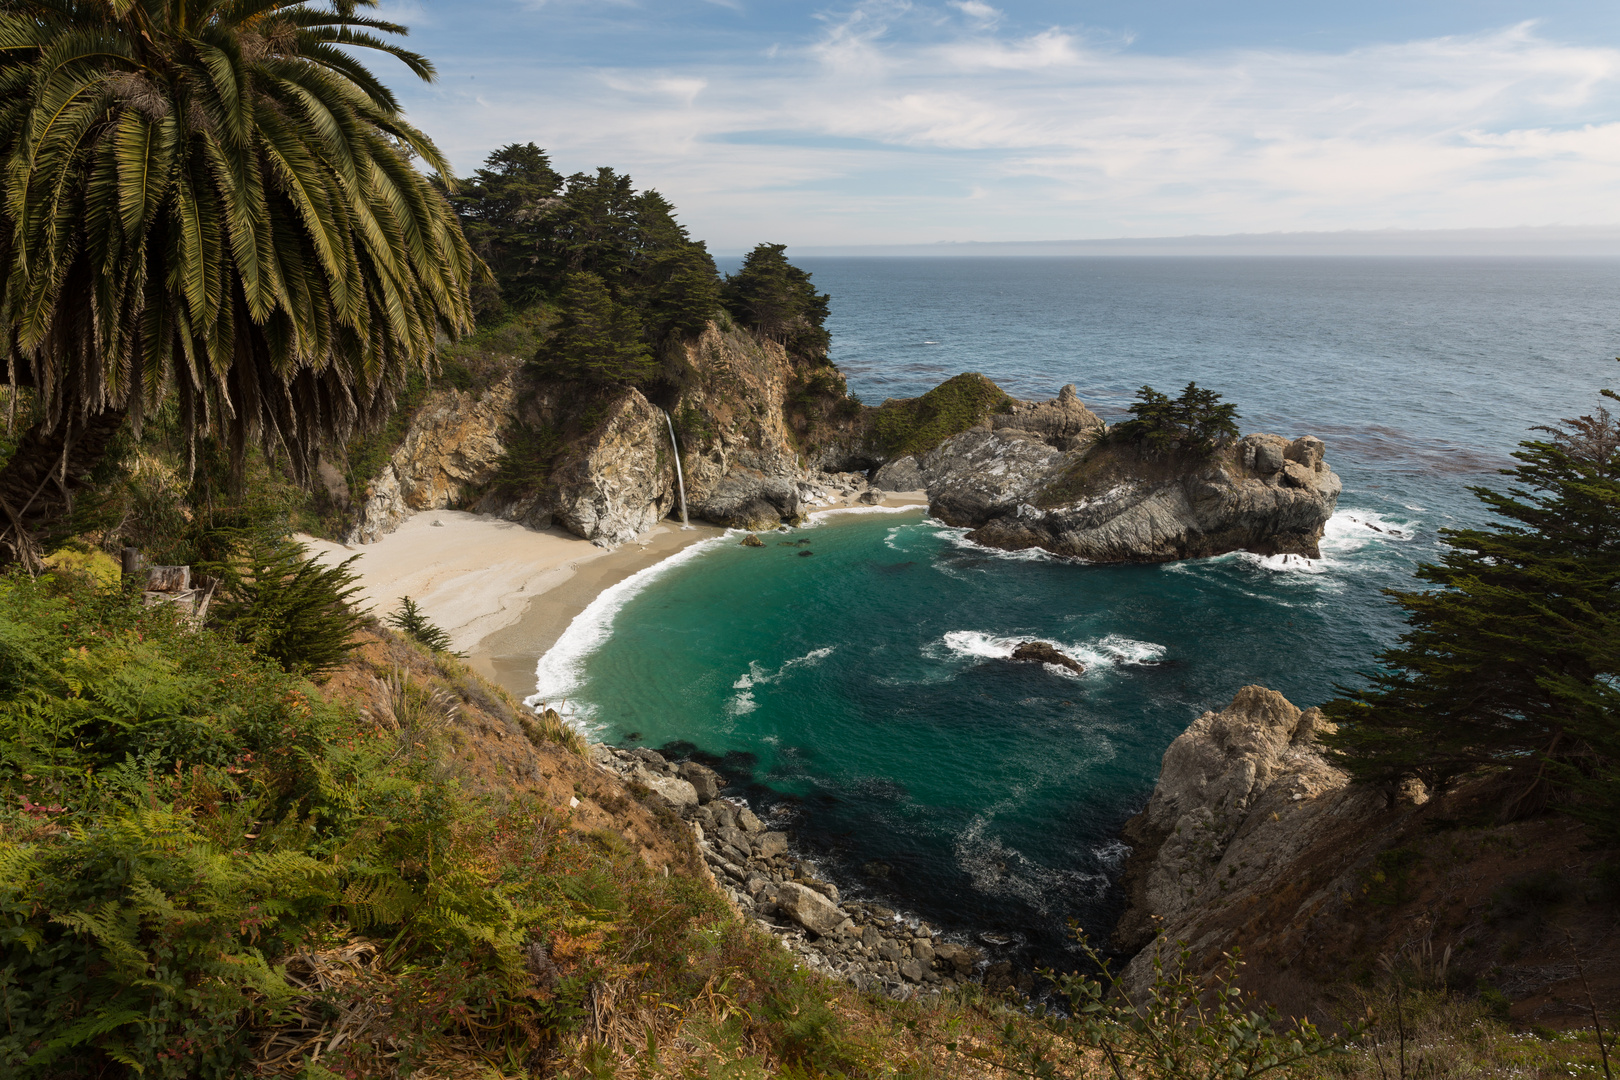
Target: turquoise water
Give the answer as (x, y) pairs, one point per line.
(862, 693)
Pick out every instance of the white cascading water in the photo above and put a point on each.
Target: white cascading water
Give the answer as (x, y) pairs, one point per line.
(680, 480)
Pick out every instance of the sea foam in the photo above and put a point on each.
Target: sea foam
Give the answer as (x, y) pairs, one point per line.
(1114, 650)
(559, 673)
(742, 703)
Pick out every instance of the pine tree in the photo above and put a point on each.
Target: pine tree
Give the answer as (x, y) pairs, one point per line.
(1196, 422)
(1510, 660)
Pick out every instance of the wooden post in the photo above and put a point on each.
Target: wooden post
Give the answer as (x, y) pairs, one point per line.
(130, 563)
(168, 579)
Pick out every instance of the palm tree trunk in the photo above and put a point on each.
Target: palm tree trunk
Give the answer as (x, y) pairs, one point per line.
(38, 482)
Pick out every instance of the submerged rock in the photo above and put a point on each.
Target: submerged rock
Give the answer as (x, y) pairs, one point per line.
(1039, 652)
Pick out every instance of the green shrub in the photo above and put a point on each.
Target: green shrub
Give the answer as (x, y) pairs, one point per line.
(288, 605)
(917, 425)
(415, 625)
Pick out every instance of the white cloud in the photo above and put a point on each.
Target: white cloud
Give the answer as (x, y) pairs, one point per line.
(981, 13)
(892, 126)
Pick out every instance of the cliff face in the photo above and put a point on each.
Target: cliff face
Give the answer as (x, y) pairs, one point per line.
(1253, 840)
(1041, 477)
(757, 431)
(1241, 793)
(752, 444)
(453, 446)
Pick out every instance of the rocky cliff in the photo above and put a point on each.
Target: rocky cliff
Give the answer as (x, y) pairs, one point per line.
(1253, 840)
(754, 444)
(759, 431)
(1042, 476)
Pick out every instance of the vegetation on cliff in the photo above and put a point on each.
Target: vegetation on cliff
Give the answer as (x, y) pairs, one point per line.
(1194, 423)
(1509, 662)
(917, 425)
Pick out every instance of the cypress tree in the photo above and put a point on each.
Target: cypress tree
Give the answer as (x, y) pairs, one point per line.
(597, 340)
(1510, 660)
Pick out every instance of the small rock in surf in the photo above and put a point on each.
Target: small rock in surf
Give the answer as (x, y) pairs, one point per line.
(1039, 652)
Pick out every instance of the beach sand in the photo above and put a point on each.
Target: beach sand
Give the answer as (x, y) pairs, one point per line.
(503, 592)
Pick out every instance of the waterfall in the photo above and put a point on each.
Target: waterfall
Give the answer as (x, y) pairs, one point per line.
(680, 480)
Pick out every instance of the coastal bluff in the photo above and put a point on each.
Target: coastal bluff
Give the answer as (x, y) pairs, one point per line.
(1253, 840)
(757, 450)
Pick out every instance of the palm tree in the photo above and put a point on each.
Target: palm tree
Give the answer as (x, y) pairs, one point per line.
(210, 202)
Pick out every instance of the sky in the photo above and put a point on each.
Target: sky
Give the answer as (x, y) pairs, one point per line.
(895, 122)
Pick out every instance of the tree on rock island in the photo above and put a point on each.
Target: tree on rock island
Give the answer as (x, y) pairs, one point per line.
(209, 204)
(1510, 661)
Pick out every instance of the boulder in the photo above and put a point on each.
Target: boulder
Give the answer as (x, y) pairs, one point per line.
(808, 908)
(747, 498)
(1308, 450)
(913, 970)
(673, 790)
(1039, 652)
(750, 540)
(748, 822)
(872, 496)
(901, 474)
(769, 845)
(923, 951)
(651, 758)
(703, 779)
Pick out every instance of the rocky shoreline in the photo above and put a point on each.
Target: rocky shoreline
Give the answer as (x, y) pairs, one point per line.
(869, 945)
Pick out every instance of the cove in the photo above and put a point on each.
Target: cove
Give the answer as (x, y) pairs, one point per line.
(852, 680)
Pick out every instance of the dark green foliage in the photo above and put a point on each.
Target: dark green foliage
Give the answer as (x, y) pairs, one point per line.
(916, 425)
(1194, 423)
(774, 297)
(597, 340)
(527, 455)
(410, 620)
(287, 605)
(537, 230)
(1511, 658)
(504, 209)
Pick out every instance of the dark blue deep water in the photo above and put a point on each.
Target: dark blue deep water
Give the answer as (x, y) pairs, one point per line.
(861, 694)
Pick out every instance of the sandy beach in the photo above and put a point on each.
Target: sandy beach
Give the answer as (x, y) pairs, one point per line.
(503, 592)
(473, 574)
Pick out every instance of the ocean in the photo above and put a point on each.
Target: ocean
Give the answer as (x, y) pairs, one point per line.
(861, 696)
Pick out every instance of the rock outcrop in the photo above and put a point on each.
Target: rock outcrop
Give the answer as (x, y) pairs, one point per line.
(1247, 818)
(1040, 476)
(453, 445)
(867, 944)
(618, 481)
(1033, 475)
